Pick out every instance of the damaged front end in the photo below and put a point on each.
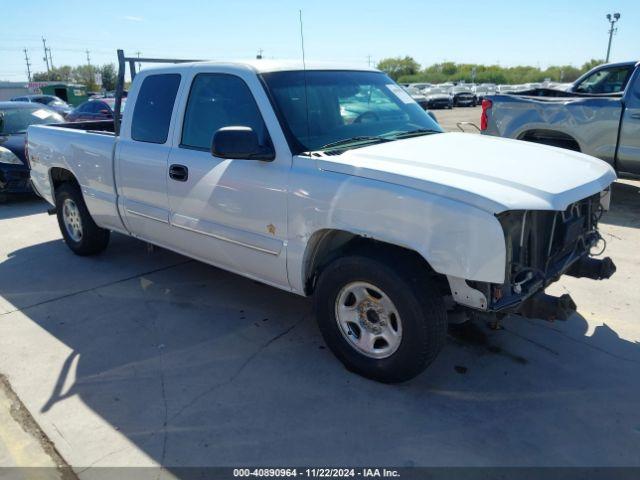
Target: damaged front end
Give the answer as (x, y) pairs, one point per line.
(540, 247)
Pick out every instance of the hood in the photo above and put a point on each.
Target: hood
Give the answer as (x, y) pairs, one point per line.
(494, 174)
(15, 143)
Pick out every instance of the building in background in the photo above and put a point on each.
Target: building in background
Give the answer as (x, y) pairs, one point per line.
(8, 90)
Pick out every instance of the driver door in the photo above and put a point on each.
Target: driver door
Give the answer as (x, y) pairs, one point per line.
(228, 212)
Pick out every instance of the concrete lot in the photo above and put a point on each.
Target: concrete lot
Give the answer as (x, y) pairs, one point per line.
(138, 358)
(450, 118)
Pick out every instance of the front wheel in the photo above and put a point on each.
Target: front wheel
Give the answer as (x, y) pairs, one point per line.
(382, 322)
(80, 232)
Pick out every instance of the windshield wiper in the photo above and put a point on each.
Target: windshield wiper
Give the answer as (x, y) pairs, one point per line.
(415, 133)
(358, 139)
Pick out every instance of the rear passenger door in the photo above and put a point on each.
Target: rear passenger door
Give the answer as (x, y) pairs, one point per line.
(628, 159)
(141, 156)
(229, 212)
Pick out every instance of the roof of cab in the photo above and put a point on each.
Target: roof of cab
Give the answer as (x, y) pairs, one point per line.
(265, 66)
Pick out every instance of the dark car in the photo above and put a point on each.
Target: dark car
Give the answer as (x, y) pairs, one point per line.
(51, 101)
(463, 97)
(15, 117)
(438, 97)
(94, 109)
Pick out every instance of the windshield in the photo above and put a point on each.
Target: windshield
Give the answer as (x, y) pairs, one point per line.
(343, 105)
(16, 120)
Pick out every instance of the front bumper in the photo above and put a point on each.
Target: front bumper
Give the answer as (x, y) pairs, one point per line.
(14, 179)
(541, 246)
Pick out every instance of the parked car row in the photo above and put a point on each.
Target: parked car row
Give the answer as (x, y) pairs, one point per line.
(449, 95)
(98, 107)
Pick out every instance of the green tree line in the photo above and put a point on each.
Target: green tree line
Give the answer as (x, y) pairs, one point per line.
(407, 70)
(83, 74)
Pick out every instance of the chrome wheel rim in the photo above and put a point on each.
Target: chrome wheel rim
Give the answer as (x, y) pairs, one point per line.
(368, 320)
(71, 218)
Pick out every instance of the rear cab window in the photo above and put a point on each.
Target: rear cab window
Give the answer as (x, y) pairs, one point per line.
(153, 108)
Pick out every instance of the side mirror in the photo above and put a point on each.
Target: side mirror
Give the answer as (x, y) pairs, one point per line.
(239, 143)
(105, 112)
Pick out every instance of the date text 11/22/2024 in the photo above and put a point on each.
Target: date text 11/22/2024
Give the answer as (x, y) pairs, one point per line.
(316, 472)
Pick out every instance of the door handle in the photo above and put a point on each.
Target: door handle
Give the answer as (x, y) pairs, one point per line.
(635, 115)
(179, 173)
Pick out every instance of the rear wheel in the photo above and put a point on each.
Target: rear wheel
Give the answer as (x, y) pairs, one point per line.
(384, 322)
(80, 232)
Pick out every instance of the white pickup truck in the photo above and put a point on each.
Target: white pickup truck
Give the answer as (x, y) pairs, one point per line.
(331, 181)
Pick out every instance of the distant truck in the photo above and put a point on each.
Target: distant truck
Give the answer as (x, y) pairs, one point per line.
(330, 181)
(599, 116)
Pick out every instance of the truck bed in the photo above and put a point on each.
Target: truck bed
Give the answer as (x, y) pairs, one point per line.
(95, 126)
(85, 148)
(591, 121)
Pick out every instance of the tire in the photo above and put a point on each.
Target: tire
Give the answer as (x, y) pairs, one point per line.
(80, 232)
(420, 310)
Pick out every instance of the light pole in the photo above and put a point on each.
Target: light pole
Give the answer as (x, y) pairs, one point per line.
(612, 21)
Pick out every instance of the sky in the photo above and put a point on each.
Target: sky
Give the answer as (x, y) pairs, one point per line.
(531, 32)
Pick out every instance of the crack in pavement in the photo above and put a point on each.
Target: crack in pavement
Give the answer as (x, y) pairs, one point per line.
(537, 344)
(106, 455)
(588, 345)
(97, 287)
(235, 375)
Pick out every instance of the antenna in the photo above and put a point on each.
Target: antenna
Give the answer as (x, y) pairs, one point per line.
(304, 70)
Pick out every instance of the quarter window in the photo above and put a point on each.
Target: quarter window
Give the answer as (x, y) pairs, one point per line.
(153, 108)
(219, 100)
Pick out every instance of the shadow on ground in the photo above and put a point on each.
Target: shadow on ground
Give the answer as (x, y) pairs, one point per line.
(625, 205)
(22, 206)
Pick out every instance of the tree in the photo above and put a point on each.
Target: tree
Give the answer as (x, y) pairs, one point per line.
(457, 72)
(591, 64)
(60, 74)
(108, 72)
(85, 75)
(397, 67)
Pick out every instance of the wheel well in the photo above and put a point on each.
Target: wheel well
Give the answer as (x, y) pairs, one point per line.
(327, 245)
(552, 138)
(60, 176)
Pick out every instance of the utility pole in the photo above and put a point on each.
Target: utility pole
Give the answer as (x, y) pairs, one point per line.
(612, 30)
(369, 60)
(26, 59)
(138, 55)
(88, 57)
(45, 58)
(259, 55)
(50, 58)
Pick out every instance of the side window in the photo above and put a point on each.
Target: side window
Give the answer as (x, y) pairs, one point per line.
(152, 111)
(610, 80)
(85, 107)
(97, 107)
(219, 100)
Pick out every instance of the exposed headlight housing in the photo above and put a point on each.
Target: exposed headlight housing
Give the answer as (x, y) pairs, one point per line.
(7, 156)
